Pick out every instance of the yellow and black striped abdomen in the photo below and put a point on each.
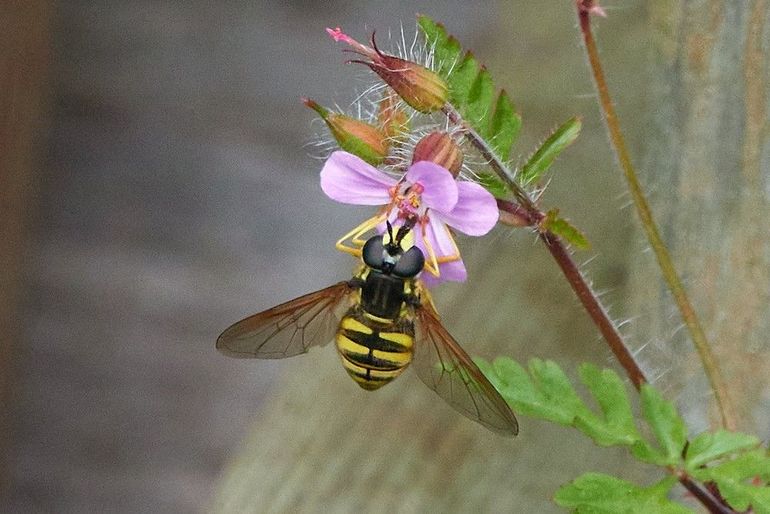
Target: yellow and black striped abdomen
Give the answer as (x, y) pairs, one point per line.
(374, 350)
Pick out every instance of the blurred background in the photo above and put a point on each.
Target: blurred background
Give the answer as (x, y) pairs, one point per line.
(158, 186)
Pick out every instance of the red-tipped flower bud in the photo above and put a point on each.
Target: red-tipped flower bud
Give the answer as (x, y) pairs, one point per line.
(354, 136)
(421, 88)
(439, 147)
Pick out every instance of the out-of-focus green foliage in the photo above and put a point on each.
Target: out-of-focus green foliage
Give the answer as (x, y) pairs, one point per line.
(596, 493)
(707, 447)
(741, 479)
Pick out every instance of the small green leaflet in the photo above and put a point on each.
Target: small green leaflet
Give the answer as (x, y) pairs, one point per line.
(492, 184)
(472, 91)
(504, 126)
(546, 393)
(542, 159)
(596, 493)
(708, 447)
(666, 424)
(617, 426)
(736, 477)
(563, 228)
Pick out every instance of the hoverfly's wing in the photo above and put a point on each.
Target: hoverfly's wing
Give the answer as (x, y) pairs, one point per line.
(448, 370)
(288, 329)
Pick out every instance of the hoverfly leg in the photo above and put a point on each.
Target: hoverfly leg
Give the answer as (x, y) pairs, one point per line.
(354, 236)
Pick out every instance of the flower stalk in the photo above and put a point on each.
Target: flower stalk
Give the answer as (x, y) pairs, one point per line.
(670, 276)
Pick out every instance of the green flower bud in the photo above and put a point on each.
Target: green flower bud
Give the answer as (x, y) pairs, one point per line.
(354, 136)
(421, 88)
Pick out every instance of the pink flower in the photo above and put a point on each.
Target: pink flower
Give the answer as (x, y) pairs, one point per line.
(428, 192)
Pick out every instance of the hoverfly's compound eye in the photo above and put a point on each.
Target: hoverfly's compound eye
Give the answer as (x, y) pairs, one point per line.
(410, 263)
(373, 252)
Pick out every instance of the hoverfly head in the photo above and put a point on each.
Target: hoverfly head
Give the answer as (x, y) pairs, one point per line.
(390, 258)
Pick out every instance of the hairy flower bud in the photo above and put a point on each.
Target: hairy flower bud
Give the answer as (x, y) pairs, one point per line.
(439, 147)
(421, 88)
(355, 136)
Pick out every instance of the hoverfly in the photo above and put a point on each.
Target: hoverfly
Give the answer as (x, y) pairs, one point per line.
(382, 320)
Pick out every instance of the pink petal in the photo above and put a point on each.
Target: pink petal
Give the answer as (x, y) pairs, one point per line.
(437, 235)
(475, 212)
(450, 272)
(439, 187)
(348, 179)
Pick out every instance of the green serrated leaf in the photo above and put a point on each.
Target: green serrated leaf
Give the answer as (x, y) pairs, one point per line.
(645, 452)
(755, 463)
(492, 184)
(596, 493)
(668, 427)
(546, 393)
(742, 496)
(707, 447)
(504, 127)
(618, 425)
(472, 91)
(563, 228)
(446, 49)
(735, 480)
(529, 396)
(542, 159)
(461, 80)
(478, 108)
(514, 383)
(556, 388)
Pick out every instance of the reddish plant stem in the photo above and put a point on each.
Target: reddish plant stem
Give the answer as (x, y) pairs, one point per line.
(584, 293)
(526, 211)
(704, 495)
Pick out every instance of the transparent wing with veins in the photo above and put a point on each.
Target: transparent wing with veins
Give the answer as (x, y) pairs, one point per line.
(444, 366)
(288, 329)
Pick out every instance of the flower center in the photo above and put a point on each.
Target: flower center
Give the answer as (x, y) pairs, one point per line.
(407, 199)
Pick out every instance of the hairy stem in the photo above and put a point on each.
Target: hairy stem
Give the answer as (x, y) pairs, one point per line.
(526, 210)
(670, 275)
(704, 495)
